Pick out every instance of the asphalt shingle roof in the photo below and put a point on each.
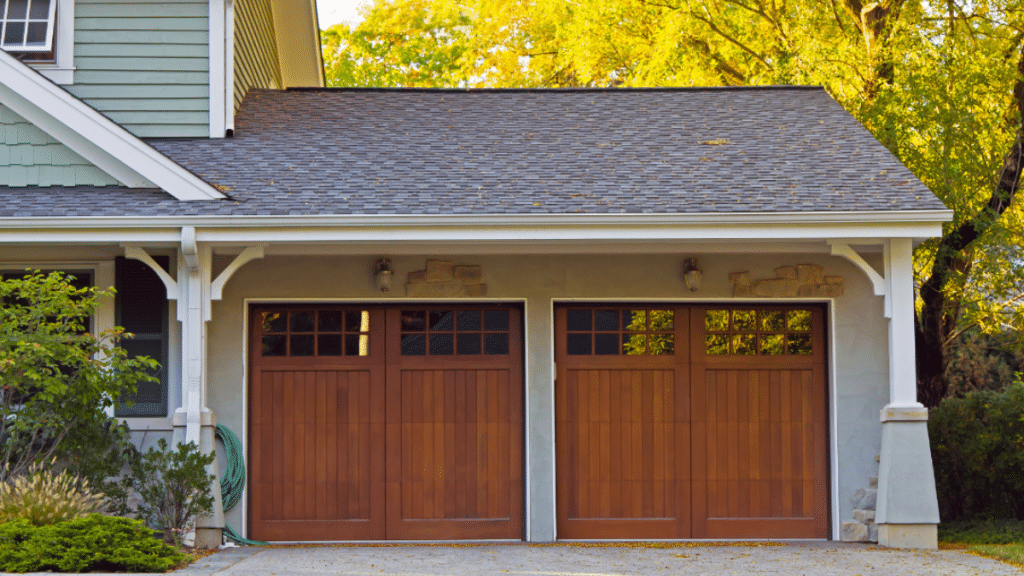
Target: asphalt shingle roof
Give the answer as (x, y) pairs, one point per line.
(359, 151)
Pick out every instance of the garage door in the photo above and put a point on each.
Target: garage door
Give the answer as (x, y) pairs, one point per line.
(385, 423)
(691, 422)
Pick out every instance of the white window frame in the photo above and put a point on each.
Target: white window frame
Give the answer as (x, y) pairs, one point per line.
(51, 12)
(62, 70)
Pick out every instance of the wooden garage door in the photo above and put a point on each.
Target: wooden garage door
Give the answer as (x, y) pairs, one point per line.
(691, 422)
(386, 423)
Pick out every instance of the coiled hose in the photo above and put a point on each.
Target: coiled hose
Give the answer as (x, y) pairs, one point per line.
(232, 480)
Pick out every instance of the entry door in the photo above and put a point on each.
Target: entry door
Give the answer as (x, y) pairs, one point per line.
(691, 422)
(380, 423)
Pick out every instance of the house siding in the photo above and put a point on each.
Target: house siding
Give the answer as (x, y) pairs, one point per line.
(30, 157)
(256, 59)
(145, 65)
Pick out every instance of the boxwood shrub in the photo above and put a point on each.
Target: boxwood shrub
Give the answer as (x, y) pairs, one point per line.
(978, 452)
(89, 543)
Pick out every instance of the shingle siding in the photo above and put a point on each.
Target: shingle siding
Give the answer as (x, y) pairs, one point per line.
(30, 157)
(256, 59)
(145, 64)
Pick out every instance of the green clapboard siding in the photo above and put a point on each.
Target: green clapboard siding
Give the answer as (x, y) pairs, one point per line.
(30, 157)
(256, 60)
(145, 64)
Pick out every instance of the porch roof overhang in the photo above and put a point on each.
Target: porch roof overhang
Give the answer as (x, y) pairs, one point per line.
(480, 232)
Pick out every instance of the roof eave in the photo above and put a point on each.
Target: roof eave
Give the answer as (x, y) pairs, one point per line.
(93, 136)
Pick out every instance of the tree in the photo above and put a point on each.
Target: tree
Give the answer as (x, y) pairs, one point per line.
(56, 379)
(937, 82)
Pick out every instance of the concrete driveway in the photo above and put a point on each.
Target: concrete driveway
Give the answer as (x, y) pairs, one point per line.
(593, 560)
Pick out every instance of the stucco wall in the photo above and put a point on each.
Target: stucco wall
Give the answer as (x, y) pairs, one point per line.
(860, 346)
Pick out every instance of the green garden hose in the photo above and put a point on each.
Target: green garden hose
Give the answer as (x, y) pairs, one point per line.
(232, 480)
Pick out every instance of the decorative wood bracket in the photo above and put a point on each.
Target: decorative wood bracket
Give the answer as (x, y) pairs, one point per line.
(249, 254)
(879, 283)
(136, 253)
(216, 287)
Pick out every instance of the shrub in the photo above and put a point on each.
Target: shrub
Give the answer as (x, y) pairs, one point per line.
(173, 488)
(95, 542)
(978, 451)
(56, 379)
(43, 497)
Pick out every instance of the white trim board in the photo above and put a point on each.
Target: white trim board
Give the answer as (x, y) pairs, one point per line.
(827, 224)
(94, 136)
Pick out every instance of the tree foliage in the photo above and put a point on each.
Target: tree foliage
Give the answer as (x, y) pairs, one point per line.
(936, 81)
(56, 378)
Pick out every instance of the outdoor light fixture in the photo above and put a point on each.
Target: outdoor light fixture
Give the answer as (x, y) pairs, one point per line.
(383, 274)
(692, 275)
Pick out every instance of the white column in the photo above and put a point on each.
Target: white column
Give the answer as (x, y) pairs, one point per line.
(193, 421)
(902, 355)
(907, 510)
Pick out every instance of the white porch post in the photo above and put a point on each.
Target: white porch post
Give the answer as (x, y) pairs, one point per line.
(907, 507)
(194, 290)
(193, 421)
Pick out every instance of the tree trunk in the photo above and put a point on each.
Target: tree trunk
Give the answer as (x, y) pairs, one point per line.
(938, 318)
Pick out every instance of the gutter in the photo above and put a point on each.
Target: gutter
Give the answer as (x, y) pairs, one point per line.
(801, 219)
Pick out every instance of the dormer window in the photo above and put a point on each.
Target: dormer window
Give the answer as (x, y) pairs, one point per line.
(27, 25)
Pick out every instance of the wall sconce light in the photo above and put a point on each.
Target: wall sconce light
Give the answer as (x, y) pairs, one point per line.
(383, 274)
(691, 274)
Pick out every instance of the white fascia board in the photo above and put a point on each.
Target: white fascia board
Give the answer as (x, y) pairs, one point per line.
(494, 228)
(93, 136)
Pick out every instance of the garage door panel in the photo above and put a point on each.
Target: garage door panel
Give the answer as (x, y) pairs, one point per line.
(750, 463)
(619, 461)
(759, 424)
(313, 476)
(460, 425)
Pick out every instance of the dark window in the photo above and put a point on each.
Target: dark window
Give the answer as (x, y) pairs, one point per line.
(315, 333)
(454, 332)
(140, 307)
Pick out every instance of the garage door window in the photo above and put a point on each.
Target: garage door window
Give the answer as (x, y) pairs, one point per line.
(316, 333)
(454, 332)
(758, 332)
(631, 332)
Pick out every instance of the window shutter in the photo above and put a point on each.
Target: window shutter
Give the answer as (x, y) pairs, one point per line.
(141, 308)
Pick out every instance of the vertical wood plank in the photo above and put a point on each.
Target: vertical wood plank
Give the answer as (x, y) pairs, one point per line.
(483, 443)
(504, 443)
(775, 415)
(743, 444)
(604, 442)
(732, 448)
(309, 414)
(786, 447)
(615, 444)
(583, 443)
(333, 479)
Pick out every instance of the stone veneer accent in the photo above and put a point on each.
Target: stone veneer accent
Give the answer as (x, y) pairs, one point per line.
(443, 279)
(790, 281)
(862, 528)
